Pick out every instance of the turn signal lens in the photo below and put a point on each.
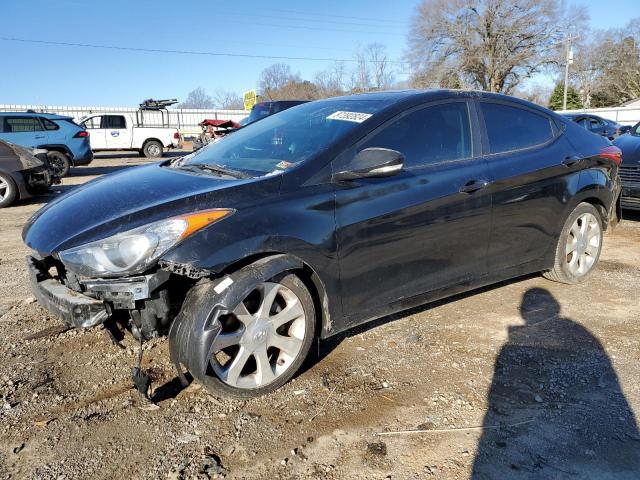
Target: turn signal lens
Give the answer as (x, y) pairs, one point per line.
(199, 220)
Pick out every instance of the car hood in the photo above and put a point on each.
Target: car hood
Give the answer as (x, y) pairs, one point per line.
(128, 199)
(630, 146)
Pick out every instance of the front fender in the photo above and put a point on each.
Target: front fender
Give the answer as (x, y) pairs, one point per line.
(192, 332)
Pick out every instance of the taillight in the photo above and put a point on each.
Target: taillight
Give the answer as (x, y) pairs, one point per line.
(612, 153)
(176, 135)
(81, 134)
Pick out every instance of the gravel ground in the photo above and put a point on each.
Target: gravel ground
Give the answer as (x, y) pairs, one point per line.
(526, 379)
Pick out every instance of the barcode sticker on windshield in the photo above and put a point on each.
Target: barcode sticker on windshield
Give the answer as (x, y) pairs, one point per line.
(356, 117)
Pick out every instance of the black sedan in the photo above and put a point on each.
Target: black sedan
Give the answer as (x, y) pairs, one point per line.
(598, 125)
(321, 217)
(22, 174)
(630, 168)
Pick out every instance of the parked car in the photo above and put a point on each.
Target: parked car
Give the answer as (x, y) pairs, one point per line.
(630, 168)
(22, 174)
(322, 217)
(125, 131)
(265, 109)
(67, 143)
(601, 126)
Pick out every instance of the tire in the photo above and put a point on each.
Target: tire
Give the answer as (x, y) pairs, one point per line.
(576, 255)
(153, 149)
(59, 163)
(8, 190)
(252, 384)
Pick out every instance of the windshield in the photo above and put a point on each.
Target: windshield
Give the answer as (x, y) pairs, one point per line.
(286, 139)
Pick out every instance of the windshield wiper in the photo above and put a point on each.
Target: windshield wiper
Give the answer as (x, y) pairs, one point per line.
(215, 168)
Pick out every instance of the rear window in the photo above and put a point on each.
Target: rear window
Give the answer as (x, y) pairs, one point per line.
(49, 125)
(512, 128)
(259, 111)
(114, 121)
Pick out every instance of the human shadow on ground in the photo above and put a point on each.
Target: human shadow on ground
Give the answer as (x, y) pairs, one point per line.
(555, 408)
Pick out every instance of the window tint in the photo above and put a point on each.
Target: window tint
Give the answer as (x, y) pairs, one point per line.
(48, 124)
(429, 135)
(513, 128)
(21, 124)
(114, 121)
(93, 122)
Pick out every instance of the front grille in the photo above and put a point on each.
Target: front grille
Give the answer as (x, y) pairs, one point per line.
(629, 174)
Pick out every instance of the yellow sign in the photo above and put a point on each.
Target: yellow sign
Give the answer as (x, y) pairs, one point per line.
(250, 98)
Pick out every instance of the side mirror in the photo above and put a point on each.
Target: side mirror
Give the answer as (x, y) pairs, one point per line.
(372, 163)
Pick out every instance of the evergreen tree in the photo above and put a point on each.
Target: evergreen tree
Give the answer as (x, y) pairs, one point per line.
(573, 98)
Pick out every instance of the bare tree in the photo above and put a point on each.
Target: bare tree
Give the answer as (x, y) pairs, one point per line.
(273, 78)
(226, 100)
(331, 82)
(360, 75)
(381, 72)
(488, 44)
(197, 98)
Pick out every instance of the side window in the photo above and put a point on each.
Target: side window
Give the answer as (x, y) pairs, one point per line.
(48, 124)
(512, 128)
(93, 122)
(21, 124)
(429, 135)
(114, 121)
(594, 124)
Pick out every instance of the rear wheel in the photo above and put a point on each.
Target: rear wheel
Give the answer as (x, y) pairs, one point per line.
(59, 163)
(579, 246)
(264, 340)
(8, 190)
(152, 149)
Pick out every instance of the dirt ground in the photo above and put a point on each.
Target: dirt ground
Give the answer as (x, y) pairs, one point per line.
(526, 379)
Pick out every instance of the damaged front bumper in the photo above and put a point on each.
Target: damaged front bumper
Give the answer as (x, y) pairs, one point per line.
(72, 307)
(94, 304)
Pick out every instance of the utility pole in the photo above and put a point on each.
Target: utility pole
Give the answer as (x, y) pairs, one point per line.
(568, 61)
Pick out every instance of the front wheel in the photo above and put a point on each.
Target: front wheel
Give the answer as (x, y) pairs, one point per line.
(152, 149)
(59, 163)
(579, 246)
(264, 340)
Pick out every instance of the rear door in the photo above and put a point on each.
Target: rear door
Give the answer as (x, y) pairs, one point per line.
(97, 134)
(417, 231)
(525, 155)
(117, 132)
(27, 131)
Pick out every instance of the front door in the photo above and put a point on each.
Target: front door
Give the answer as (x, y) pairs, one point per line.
(96, 133)
(423, 229)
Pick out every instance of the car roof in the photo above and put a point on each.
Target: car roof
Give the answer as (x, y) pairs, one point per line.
(50, 116)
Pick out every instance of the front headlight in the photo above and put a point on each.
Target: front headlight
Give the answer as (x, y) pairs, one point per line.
(134, 251)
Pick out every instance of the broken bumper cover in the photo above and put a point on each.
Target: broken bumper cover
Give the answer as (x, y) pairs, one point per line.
(74, 308)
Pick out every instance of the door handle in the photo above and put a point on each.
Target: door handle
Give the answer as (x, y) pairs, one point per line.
(39, 136)
(571, 160)
(473, 186)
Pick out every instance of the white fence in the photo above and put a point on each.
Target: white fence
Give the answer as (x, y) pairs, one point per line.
(185, 119)
(623, 115)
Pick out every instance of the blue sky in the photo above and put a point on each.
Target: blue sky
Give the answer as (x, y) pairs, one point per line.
(64, 75)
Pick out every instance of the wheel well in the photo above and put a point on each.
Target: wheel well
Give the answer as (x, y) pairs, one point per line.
(310, 279)
(151, 140)
(602, 210)
(56, 148)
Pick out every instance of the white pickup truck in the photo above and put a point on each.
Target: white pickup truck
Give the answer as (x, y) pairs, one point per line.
(123, 131)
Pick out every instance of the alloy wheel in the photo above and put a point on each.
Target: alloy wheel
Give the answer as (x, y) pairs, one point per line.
(4, 189)
(583, 244)
(260, 338)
